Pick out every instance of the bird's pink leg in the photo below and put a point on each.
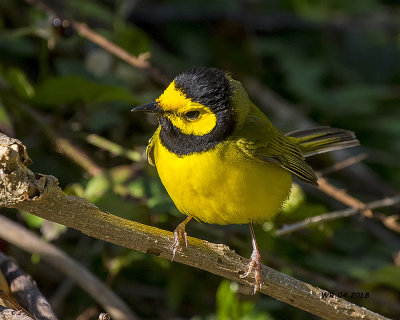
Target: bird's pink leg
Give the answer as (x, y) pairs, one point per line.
(255, 262)
(180, 236)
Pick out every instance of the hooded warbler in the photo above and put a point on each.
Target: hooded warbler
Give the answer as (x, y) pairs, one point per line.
(220, 158)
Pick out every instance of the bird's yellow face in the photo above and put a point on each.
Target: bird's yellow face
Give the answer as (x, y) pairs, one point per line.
(195, 111)
(189, 117)
(200, 109)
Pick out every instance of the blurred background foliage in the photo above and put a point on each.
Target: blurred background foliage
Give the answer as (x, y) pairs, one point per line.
(69, 101)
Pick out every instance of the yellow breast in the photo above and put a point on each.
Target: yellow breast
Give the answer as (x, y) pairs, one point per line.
(222, 185)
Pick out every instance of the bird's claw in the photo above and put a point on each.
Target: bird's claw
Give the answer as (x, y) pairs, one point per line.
(180, 238)
(255, 263)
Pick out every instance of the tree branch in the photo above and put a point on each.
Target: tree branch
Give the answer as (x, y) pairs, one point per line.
(11, 314)
(140, 62)
(25, 289)
(114, 148)
(28, 241)
(40, 195)
(342, 196)
(387, 202)
(342, 164)
(85, 32)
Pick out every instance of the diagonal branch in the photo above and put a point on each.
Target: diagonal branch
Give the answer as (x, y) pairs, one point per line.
(141, 62)
(40, 195)
(25, 290)
(347, 162)
(386, 202)
(11, 314)
(85, 32)
(342, 196)
(30, 242)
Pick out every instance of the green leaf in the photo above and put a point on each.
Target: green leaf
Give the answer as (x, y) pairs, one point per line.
(18, 80)
(355, 99)
(103, 117)
(356, 268)
(386, 276)
(92, 10)
(96, 188)
(111, 202)
(120, 176)
(16, 47)
(131, 38)
(75, 189)
(32, 221)
(230, 307)
(35, 258)
(5, 121)
(151, 188)
(116, 264)
(305, 209)
(226, 301)
(137, 188)
(56, 91)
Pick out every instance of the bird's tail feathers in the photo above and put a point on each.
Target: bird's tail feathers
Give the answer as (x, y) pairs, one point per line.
(323, 139)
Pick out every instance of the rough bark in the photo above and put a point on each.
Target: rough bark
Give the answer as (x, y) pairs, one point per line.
(26, 291)
(11, 314)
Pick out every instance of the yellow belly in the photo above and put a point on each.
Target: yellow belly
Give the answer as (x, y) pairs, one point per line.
(223, 185)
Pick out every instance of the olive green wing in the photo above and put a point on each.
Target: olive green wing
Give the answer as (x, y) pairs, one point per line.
(259, 139)
(150, 147)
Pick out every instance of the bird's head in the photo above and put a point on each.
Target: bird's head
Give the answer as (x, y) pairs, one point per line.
(200, 106)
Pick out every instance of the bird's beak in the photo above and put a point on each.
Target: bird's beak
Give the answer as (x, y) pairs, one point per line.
(150, 107)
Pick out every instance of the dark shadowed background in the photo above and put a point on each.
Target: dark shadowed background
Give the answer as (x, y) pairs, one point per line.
(331, 63)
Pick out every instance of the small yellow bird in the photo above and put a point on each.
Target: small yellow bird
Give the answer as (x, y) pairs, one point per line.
(220, 158)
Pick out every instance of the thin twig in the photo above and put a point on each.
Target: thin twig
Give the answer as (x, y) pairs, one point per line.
(396, 259)
(343, 197)
(88, 313)
(58, 297)
(42, 197)
(391, 222)
(80, 157)
(387, 202)
(85, 32)
(140, 62)
(113, 147)
(342, 164)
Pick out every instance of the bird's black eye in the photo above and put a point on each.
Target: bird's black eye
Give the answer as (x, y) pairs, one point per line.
(192, 115)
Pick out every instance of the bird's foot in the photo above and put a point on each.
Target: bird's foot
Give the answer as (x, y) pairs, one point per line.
(255, 263)
(180, 237)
